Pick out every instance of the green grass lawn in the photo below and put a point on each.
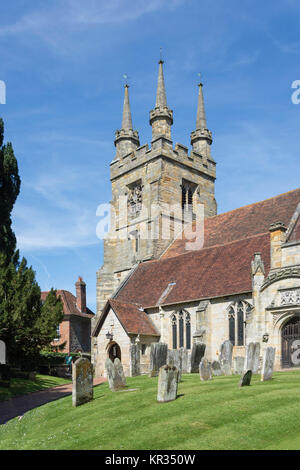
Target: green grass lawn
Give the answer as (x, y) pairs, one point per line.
(206, 415)
(22, 386)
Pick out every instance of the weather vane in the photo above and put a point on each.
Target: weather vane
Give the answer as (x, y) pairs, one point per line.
(160, 54)
(200, 75)
(125, 76)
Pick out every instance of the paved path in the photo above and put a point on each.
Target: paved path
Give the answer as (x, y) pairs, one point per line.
(17, 406)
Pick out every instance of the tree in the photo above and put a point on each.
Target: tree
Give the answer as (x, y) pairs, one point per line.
(9, 190)
(26, 324)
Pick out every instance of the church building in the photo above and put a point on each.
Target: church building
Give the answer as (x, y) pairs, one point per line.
(175, 271)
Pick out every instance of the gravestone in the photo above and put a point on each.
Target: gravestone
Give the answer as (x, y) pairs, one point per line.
(158, 357)
(167, 384)
(249, 359)
(2, 352)
(173, 359)
(238, 365)
(198, 352)
(135, 362)
(246, 378)
(184, 360)
(268, 364)
(226, 352)
(115, 374)
(205, 370)
(225, 367)
(82, 378)
(216, 368)
(256, 354)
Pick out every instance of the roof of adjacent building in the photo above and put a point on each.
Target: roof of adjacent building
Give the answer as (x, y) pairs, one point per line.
(222, 267)
(131, 316)
(69, 303)
(243, 222)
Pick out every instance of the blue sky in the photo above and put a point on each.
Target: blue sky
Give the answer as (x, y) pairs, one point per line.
(63, 61)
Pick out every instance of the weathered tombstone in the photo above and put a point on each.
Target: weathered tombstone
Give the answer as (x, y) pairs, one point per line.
(184, 360)
(216, 368)
(135, 364)
(2, 352)
(173, 359)
(226, 352)
(158, 357)
(256, 354)
(82, 377)
(167, 384)
(238, 365)
(205, 370)
(115, 374)
(198, 352)
(246, 378)
(268, 364)
(249, 359)
(225, 367)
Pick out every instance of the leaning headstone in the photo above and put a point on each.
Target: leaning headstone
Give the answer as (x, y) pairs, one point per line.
(238, 365)
(249, 359)
(167, 384)
(246, 378)
(256, 355)
(173, 359)
(226, 352)
(198, 352)
(184, 360)
(82, 378)
(205, 370)
(2, 352)
(135, 363)
(268, 364)
(115, 375)
(225, 367)
(216, 368)
(158, 357)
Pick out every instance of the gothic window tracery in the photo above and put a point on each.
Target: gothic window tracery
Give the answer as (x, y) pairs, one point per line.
(181, 330)
(134, 201)
(187, 194)
(237, 314)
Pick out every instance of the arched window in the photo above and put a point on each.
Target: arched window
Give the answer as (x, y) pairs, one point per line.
(181, 337)
(174, 331)
(188, 331)
(181, 330)
(237, 314)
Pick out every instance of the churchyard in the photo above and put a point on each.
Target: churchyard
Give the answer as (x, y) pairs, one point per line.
(21, 386)
(214, 414)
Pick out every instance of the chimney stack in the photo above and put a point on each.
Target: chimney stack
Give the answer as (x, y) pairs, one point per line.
(81, 295)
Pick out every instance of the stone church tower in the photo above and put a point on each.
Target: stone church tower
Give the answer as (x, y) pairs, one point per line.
(148, 187)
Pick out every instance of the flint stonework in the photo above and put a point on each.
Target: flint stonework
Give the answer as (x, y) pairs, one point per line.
(226, 352)
(246, 378)
(238, 365)
(158, 357)
(198, 352)
(82, 378)
(167, 384)
(268, 364)
(216, 368)
(115, 375)
(205, 370)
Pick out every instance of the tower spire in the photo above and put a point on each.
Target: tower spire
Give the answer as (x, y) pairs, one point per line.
(127, 140)
(161, 97)
(127, 120)
(201, 138)
(161, 117)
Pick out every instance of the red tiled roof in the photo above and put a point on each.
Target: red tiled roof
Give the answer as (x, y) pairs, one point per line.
(244, 222)
(133, 319)
(211, 272)
(69, 303)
